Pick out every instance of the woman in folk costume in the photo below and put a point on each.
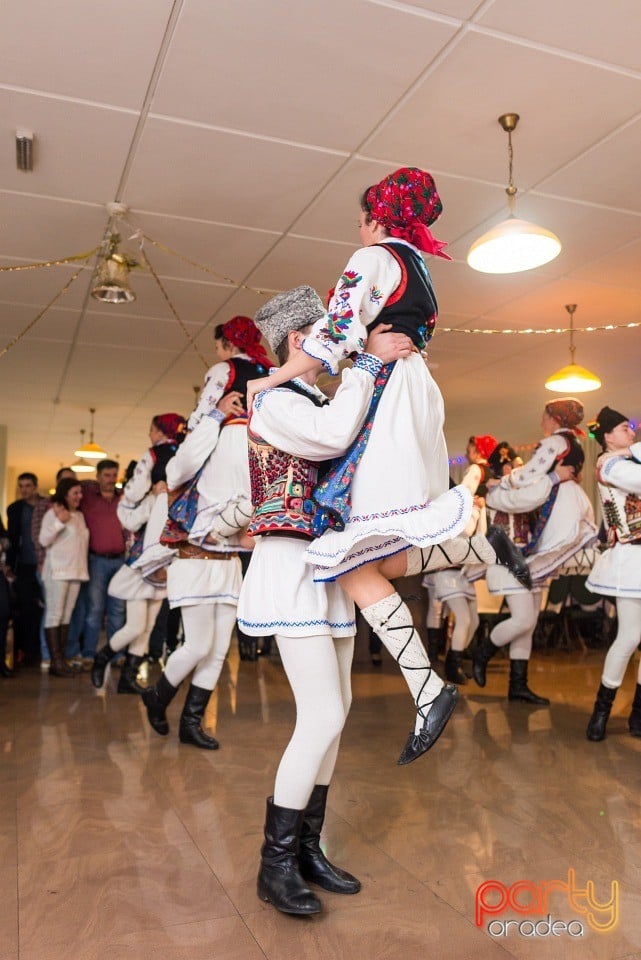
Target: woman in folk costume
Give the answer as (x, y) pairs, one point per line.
(292, 432)
(617, 571)
(210, 504)
(143, 597)
(397, 472)
(549, 484)
(452, 586)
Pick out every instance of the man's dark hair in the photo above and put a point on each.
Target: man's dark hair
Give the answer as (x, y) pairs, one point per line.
(107, 465)
(282, 350)
(29, 476)
(60, 473)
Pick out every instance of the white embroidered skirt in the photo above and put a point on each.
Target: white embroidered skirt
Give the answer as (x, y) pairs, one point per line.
(194, 582)
(400, 492)
(617, 572)
(128, 584)
(279, 595)
(445, 585)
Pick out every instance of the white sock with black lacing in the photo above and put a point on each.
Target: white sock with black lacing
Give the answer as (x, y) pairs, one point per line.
(392, 621)
(451, 553)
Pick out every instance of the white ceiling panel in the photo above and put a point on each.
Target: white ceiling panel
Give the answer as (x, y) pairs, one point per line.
(332, 91)
(198, 172)
(605, 31)
(43, 228)
(68, 160)
(36, 288)
(297, 261)
(447, 124)
(102, 53)
(460, 9)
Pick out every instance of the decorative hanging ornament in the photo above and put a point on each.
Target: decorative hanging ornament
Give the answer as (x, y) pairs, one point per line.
(112, 281)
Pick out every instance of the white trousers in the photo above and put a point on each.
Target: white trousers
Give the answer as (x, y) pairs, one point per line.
(319, 673)
(519, 628)
(60, 599)
(140, 618)
(466, 621)
(208, 629)
(625, 642)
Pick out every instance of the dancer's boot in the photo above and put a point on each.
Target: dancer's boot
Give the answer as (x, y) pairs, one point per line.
(518, 689)
(279, 879)
(128, 681)
(157, 699)
(100, 662)
(191, 730)
(601, 713)
(634, 721)
(314, 865)
(454, 667)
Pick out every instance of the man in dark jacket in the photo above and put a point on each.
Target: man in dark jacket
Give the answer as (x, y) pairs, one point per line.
(23, 561)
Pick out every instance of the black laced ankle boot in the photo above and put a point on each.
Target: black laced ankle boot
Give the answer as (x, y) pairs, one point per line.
(634, 721)
(128, 682)
(434, 723)
(601, 713)
(191, 730)
(314, 865)
(484, 652)
(157, 699)
(100, 662)
(454, 667)
(519, 689)
(279, 879)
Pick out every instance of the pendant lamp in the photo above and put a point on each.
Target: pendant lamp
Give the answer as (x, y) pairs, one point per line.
(514, 245)
(91, 450)
(572, 378)
(81, 466)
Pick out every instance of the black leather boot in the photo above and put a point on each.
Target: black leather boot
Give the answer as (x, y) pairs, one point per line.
(58, 666)
(279, 879)
(508, 555)
(128, 682)
(433, 725)
(191, 730)
(634, 721)
(157, 699)
(100, 661)
(519, 689)
(434, 638)
(314, 865)
(484, 652)
(601, 713)
(454, 667)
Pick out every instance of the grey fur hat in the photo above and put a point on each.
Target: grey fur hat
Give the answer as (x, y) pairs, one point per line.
(291, 310)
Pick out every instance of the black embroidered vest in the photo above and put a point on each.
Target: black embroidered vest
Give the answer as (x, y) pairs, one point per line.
(281, 484)
(412, 308)
(162, 454)
(575, 456)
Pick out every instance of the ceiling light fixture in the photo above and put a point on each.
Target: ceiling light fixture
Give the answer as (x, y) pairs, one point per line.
(24, 150)
(513, 245)
(81, 466)
(573, 378)
(91, 450)
(112, 281)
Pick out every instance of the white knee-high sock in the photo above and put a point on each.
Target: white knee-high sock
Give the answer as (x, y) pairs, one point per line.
(451, 553)
(625, 642)
(392, 622)
(313, 672)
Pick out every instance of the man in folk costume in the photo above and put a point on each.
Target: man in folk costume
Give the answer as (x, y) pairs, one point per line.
(292, 430)
(209, 494)
(548, 483)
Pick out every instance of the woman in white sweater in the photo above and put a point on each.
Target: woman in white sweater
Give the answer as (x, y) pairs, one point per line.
(65, 536)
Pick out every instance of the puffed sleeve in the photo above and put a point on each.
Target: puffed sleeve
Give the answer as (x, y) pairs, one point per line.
(215, 384)
(134, 515)
(140, 483)
(293, 424)
(519, 499)
(367, 282)
(543, 461)
(622, 472)
(195, 449)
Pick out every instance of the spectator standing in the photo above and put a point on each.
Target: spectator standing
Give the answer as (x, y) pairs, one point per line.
(24, 563)
(65, 536)
(106, 556)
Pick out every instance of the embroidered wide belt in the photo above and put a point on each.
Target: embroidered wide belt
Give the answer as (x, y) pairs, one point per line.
(189, 551)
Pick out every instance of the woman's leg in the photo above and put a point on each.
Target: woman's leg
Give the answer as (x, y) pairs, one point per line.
(319, 687)
(73, 589)
(135, 623)
(384, 610)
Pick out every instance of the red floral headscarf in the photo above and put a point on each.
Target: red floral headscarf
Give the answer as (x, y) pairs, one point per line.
(486, 445)
(171, 424)
(407, 203)
(244, 334)
(568, 413)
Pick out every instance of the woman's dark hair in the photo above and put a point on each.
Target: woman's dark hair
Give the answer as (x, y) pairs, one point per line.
(365, 207)
(502, 454)
(219, 335)
(62, 490)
